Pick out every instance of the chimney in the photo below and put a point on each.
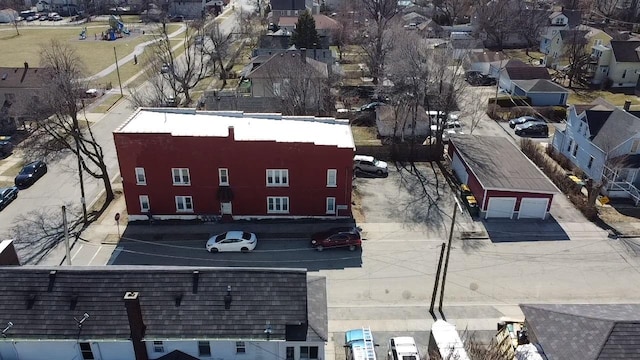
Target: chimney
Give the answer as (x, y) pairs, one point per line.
(136, 324)
(228, 298)
(303, 54)
(627, 105)
(231, 133)
(196, 276)
(52, 280)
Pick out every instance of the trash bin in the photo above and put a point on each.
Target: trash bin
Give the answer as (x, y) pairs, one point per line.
(472, 205)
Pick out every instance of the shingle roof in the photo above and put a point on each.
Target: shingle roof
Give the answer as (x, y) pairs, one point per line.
(322, 22)
(574, 17)
(283, 42)
(625, 51)
(527, 72)
(617, 128)
(396, 122)
(585, 332)
(287, 5)
(540, 85)
(486, 56)
(580, 36)
(278, 296)
(499, 165)
(17, 77)
(289, 59)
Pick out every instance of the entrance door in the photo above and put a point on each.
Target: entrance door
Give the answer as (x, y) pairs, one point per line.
(225, 208)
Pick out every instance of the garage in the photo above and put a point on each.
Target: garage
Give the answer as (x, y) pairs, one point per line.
(500, 207)
(506, 184)
(533, 208)
(459, 169)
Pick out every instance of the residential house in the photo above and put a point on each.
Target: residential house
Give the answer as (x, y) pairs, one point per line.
(275, 44)
(19, 87)
(430, 29)
(616, 65)
(168, 312)
(188, 8)
(557, 21)
(462, 44)
(414, 18)
(603, 141)
(293, 8)
(481, 60)
(397, 124)
(583, 331)
(264, 165)
(561, 43)
(325, 26)
(515, 69)
(504, 182)
(293, 78)
(541, 92)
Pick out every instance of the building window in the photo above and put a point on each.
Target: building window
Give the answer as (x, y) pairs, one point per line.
(635, 145)
(85, 349)
(276, 89)
(290, 353)
(144, 203)
(580, 127)
(331, 205)
(141, 178)
(590, 164)
(277, 177)
(181, 176)
(575, 150)
(332, 175)
(223, 176)
(570, 145)
(204, 348)
(184, 204)
(277, 205)
(240, 347)
(158, 346)
(308, 352)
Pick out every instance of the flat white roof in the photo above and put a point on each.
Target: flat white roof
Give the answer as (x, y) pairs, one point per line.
(246, 127)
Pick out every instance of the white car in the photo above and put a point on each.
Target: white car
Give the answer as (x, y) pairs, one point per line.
(369, 164)
(403, 348)
(232, 241)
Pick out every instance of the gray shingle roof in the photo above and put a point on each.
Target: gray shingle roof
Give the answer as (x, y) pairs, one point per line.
(625, 51)
(540, 85)
(499, 165)
(19, 78)
(527, 72)
(585, 332)
(616, 128)
(287, 4)
(486, 56)
(278, 296)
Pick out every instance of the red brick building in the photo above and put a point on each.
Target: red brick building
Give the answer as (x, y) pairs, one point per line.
(184, 164)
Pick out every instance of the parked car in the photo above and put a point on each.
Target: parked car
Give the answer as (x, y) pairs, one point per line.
(7, 195)
(30, 173)
(477, 78)
(232, 241)
(403, 348)
(522, 120)
(446, 135)
(369, 164)
(6, 148)
(371, 106)
(533, 128)
(449, 125)
(344, 237)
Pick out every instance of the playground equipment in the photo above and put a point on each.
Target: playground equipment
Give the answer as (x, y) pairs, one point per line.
(116, 29)
(83, 34)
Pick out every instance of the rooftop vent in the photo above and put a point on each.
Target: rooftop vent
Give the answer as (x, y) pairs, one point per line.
(73, 302)
(178, 300)
(52, 280)
(228, 298)
(30, 301)
(196, 276)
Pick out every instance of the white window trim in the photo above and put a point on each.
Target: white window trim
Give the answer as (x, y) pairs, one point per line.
(226, 175)
(158, 346)
(335, 178)
(182, 172)
(140, 171)
(331, 205)
(142, 199)
(284, 200)
(281, 175)
(241, 347)
(574, 151)
(182, 199)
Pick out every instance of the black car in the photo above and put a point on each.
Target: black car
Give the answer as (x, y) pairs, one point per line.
(477, 78)
(5, 148)
(371, 106)
(533, 128)
(521, 120)
(30, 173)
(7, 195)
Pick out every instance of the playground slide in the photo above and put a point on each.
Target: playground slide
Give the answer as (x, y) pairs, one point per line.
(122, 28)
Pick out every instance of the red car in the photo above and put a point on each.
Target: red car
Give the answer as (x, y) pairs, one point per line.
(345, 237)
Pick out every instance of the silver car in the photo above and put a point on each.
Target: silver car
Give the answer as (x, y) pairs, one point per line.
(369, 164)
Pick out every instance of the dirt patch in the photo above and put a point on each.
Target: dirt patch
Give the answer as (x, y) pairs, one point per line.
(356, 207)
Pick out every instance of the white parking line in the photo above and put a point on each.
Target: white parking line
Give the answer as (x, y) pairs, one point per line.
(94, 255)
(76, 252)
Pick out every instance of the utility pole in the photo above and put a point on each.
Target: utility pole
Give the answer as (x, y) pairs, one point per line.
(435, 285)
(118, 70)
(66, 234)
(76, 137)
(446, 261)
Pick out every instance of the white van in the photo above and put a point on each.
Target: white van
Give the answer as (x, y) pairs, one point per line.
(403, 348)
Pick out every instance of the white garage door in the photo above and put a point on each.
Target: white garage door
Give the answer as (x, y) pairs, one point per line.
(533, 208)
(459, 169)
(500, 207)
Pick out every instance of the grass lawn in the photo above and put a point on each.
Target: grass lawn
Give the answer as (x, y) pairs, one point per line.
(364, 133)
(96, 54)
(587, 96)
(11, 172)
(520, 54)
(106, 103)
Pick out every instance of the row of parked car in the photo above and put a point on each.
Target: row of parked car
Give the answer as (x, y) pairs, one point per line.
(29, 174)
(529, 126)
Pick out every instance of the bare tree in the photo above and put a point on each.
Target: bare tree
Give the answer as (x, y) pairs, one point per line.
(452, 10)
(608, 8)
(61, 133)
(181, 73)
(576, 52)
(14, 19)
(376, 42)
(530, 24)
(498, 19)
(217, 46)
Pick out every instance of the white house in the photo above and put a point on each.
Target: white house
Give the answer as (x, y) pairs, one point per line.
(618, 63)
(147, 312)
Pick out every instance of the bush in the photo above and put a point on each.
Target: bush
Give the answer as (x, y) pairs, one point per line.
(510, 101)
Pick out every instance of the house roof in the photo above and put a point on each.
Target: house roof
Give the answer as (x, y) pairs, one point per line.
(283, 42)
(397, 122)
(568, 35)
(322, 22)
(540, 85)
(574, 17)
(287, 5)
(246, 127)
(175, 303)
(585, 332)
(466, 43)
(625, 51)
(617, 128)
(499, 165)
(289, 60)
(526, 72)
(414, 17)
(19, 78)
(486, 56)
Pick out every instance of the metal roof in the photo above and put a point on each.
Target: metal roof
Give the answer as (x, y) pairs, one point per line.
(499, 165)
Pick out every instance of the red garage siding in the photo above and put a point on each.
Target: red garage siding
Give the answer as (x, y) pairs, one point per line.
(518, 196)
(246, 161)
